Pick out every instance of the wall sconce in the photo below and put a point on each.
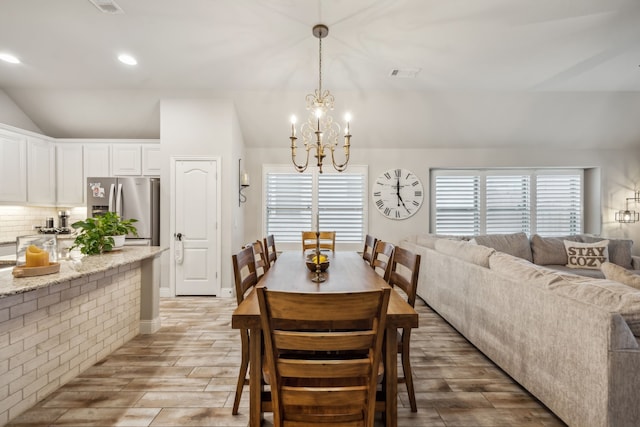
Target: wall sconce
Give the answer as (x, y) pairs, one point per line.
(626, 216)
(243, 182)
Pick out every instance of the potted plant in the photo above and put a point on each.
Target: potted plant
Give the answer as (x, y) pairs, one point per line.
(99, 234)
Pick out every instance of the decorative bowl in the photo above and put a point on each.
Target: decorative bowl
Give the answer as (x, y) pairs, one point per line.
(311, 262)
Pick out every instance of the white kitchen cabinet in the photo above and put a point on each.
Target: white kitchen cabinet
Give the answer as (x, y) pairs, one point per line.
(13, 167)
(69, 175)
(41, 171)
(96, 160)
(126, 159)
(151, 160)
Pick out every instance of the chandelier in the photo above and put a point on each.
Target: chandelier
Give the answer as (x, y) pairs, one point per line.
(320, 133)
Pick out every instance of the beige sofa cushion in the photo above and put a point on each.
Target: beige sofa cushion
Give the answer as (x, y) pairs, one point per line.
(606, 294)
(516, 244)
(465, 251)
(620, 274)
(550, 250)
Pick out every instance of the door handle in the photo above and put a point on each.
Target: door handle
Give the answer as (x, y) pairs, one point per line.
(179, 248)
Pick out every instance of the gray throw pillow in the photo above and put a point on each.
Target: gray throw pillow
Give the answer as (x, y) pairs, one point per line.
(619, 250)
(516, 244)
(550, 250)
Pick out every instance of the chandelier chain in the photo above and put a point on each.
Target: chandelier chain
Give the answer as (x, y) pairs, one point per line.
(320, 68)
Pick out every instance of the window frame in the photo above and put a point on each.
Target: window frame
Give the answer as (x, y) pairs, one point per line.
(362, 170)
(533, 173)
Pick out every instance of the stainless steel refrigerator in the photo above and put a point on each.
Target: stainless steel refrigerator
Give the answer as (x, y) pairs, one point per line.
(134, 197)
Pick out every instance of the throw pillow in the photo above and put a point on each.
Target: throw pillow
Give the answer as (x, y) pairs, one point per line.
(586, 255)
(619, 250)
(620, 274)
(550, 250)
(516, 244)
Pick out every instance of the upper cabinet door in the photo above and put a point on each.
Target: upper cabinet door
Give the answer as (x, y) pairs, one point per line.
(69, 175)
(151, 159)
(13, 167)
(97, 160)
(126, 159)
(41, 171)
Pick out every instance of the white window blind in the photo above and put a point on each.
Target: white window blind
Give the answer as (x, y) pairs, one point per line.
(457, 204)
(293, 201)
(289, 205)
(508, 204)
(547, 202)
(559, 205)
(341, 205)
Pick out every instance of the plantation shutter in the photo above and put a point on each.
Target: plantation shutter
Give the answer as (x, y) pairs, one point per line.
(508, 207)
(457, 204)
(288, 205)
(559, 204)
(341, 205)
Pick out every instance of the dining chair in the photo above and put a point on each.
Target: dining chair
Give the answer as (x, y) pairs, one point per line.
(327, 240)
(262, 265)
(382, 256)
(311, 382)
(270, 249)
(405, 269)
(369, 247)
(244, 272)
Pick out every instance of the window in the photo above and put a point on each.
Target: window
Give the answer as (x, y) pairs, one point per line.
(293, 202)
(471, 202)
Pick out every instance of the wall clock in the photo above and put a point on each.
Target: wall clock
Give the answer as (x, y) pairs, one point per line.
(398, 193)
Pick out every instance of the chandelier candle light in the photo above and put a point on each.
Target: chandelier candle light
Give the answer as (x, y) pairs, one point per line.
(320, 133)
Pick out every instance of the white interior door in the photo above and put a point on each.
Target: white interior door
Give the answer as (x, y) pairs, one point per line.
(196, 231)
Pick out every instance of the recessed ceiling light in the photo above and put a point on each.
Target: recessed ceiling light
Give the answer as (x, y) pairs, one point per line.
(9, 58)
(127, 59)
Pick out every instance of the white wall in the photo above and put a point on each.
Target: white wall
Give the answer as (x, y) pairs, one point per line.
(619, 172)
(202, 127)
(11, 114)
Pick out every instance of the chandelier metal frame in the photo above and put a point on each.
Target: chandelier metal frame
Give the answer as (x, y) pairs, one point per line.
(320, 132)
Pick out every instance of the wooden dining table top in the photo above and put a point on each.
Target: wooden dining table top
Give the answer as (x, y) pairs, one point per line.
(347, 272)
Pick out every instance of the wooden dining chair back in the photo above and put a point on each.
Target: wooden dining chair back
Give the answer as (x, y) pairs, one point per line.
(270, 249)
(405, 269)
(382, 257)
(244, 272)
(323, 351)
(262, 265)
(369, 247)
(327, 240)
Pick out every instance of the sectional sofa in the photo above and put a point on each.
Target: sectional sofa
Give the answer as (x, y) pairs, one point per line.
(570, 339)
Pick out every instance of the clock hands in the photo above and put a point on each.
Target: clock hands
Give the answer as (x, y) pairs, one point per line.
(400, 197)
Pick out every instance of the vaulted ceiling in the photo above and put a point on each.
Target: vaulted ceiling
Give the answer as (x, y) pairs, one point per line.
(566, 71)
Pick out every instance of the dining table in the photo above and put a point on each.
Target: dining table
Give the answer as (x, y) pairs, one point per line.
(347, 272)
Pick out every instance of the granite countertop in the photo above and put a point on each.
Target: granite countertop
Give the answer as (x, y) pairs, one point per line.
(73, 269)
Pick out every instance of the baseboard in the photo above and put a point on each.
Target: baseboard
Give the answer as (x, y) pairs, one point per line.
(166, 293)
(150, 326)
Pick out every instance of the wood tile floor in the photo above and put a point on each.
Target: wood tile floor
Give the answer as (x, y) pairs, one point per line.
(185, 375)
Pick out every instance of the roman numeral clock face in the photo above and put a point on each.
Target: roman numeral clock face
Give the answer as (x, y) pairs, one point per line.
(398, 193)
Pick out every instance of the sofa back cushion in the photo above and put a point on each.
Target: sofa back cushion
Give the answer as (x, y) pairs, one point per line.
(465, 251)
(550, 250)
(429, 240)
(516, 244)
(619, 250)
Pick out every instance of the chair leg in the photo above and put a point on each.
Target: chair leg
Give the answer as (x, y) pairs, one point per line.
(244, 365)
(406, 369)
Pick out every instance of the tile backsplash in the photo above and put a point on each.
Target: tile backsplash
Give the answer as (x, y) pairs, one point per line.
(19, 220)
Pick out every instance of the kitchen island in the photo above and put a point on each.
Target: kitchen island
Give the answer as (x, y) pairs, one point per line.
(53, 327)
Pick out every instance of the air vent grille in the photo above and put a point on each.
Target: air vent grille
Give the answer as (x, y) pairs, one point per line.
(107, 6)
(404, 73)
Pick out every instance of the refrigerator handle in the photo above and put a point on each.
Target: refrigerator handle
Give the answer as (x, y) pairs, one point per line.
(119, 200)
(112, 191)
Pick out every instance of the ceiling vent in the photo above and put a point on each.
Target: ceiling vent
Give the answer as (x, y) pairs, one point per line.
(404, 73)
(107, 6)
